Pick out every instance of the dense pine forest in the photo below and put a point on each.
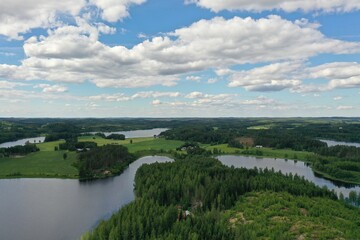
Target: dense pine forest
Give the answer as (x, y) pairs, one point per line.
(199, 198)
(18, 150)
(103, 161)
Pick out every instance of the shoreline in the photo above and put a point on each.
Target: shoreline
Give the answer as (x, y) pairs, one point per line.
(160, 153)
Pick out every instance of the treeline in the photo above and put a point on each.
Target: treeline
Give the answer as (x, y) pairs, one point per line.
(18, 150)
(61, 130)
(191, 199)
(206, 182)
(14, 131)
(337, 169)
(279, 140)
(347, 152)
(342, 129)
(339, 162)
(103, 161)
(272, 138)
(113, 136)
(202, 134)
(146, 219)
(72, 144)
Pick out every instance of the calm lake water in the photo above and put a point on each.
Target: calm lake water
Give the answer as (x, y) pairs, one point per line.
(138, 133)
(128, 134)
(58, 209)
(22, 142)
(287, 166)
(331, 143)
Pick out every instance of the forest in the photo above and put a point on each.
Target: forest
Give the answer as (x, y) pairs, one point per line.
(296, 134)
(199, 198)
(103, 161)
(18, 150)
(336, 162)
(341, 129)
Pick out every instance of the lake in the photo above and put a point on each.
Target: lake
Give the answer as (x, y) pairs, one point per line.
(137, 133)
(331, 143)
(128, 134)
(62, 209)
(286, 167)
(22, 142)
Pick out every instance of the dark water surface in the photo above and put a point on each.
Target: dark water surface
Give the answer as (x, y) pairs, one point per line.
(62, 208)
(286, 167)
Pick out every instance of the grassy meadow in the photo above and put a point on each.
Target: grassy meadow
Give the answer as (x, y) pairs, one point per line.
(265, 152)
(48, 163)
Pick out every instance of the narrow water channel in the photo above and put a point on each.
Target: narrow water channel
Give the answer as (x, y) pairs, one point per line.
(286, 167)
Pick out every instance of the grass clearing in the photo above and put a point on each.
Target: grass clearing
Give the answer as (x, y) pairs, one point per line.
(102, 141)
(49, 146)
(261, 127)
(48, 163)
(154, 144)
(40, 164)
(138, 144)
(266, 152)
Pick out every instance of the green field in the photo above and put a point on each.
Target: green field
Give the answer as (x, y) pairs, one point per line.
(102, 141)
(49, 164)
(265, 152)
(49, 146)
(138, 144)
(154, 144)
(261, 127)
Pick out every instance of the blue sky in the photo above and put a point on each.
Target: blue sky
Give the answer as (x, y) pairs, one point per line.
(180, 58)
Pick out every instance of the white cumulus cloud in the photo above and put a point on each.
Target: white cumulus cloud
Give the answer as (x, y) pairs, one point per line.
(115, 10)
(10, 85)
(75, 54)
(18, 16)
(156, 102)
(47, 88)
(345, 107)
(291, 75)
(273, 77)
(285, 5)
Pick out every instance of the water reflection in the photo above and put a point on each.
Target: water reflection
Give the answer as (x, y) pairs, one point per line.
(62, 208)
(286, 167)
